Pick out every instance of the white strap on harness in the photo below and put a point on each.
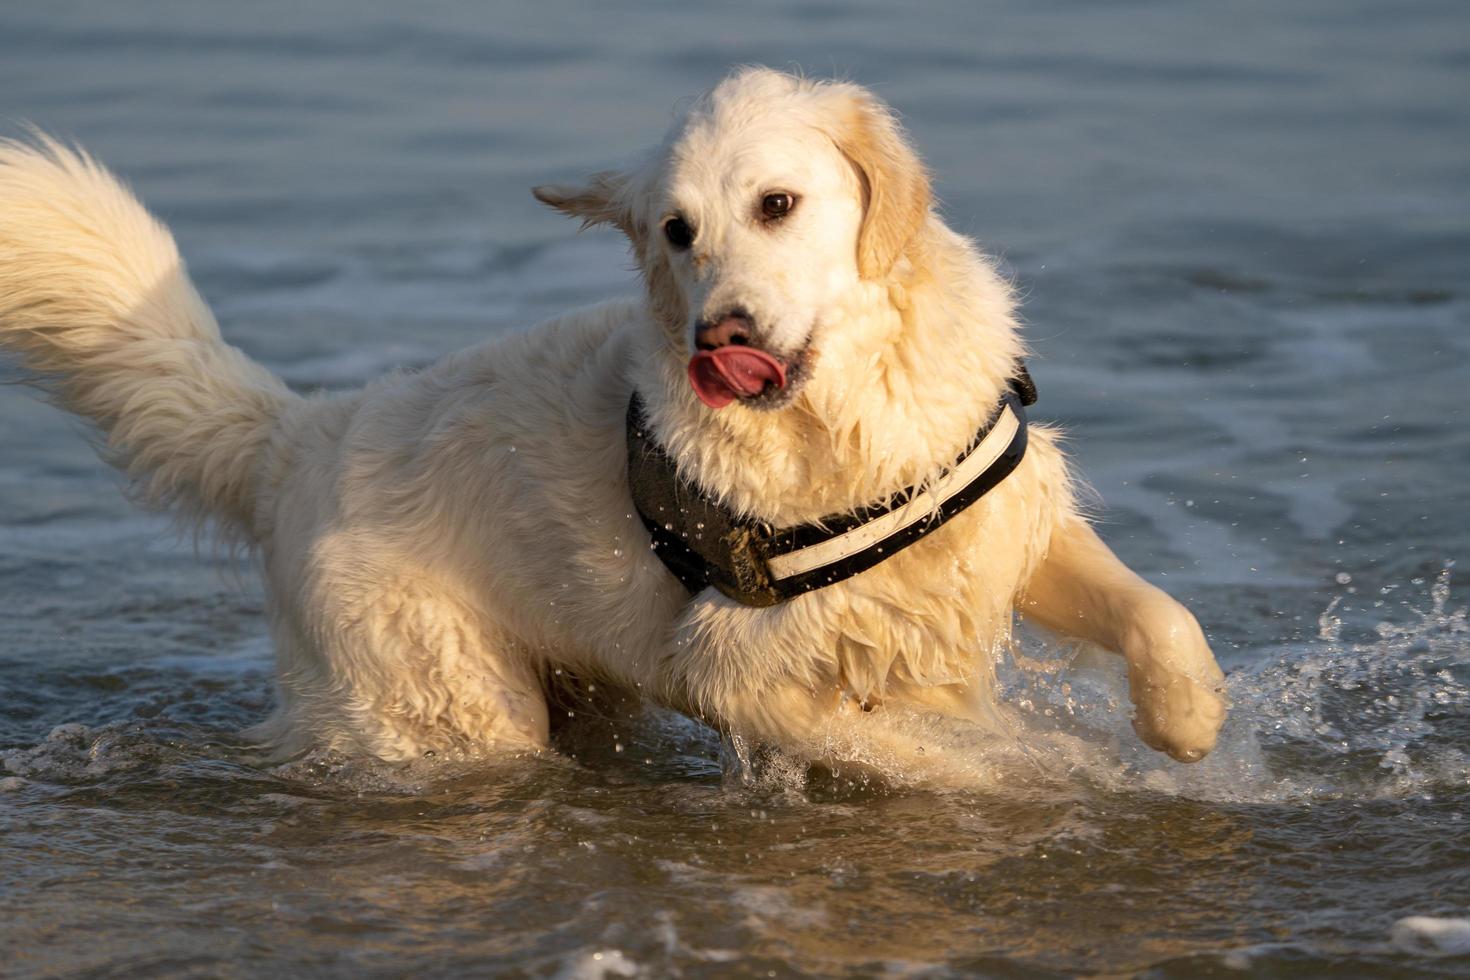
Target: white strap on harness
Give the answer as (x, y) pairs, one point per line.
(919, 507)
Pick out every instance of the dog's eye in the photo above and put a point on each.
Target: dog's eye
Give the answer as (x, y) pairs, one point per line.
(678, 232)
(777, 205)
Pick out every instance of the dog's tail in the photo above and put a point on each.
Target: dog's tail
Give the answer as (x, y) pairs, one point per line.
(96, 302)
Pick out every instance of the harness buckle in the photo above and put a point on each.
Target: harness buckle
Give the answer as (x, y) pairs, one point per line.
(748, 566)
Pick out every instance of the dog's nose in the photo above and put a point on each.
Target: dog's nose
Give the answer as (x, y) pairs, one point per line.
(732, 328)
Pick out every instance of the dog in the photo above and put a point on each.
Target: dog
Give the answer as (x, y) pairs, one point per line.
(814, 357)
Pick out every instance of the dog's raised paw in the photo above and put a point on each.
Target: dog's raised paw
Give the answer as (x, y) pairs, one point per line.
(1177, 714)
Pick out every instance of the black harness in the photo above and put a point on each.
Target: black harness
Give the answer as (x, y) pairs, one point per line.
(704, 543)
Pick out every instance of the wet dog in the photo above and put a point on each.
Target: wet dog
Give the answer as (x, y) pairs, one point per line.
(813, 351)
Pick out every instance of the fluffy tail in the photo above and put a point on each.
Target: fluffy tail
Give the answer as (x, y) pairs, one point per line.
(96, 302)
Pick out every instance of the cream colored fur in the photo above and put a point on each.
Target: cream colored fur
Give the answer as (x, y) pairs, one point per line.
(437, 544)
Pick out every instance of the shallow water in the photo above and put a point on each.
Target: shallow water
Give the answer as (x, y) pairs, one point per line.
(1242, 236)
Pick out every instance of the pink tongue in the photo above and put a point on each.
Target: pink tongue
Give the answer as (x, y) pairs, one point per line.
(721, 375)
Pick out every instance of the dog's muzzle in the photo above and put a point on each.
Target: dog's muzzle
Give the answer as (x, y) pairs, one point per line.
(727, 363)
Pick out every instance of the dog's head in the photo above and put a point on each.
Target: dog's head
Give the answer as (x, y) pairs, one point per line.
(770, 202)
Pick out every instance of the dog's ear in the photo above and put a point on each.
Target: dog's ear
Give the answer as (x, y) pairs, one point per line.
(603, 201)
(896, 195)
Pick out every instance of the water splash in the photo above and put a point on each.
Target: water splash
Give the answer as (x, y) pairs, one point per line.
(1382, 715)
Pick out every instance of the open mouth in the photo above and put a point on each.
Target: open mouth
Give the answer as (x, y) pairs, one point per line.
(722, 375)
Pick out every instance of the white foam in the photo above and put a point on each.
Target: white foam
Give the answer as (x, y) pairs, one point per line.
(1243, 959)
(599, 964)
(1430, 936)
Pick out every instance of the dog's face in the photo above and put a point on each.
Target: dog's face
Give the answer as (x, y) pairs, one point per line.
(758, 225)
(772, 199)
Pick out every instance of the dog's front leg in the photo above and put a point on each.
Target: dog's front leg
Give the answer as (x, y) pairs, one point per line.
(1083, 590)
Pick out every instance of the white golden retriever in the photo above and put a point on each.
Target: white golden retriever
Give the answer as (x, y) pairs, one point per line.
(812, 340)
